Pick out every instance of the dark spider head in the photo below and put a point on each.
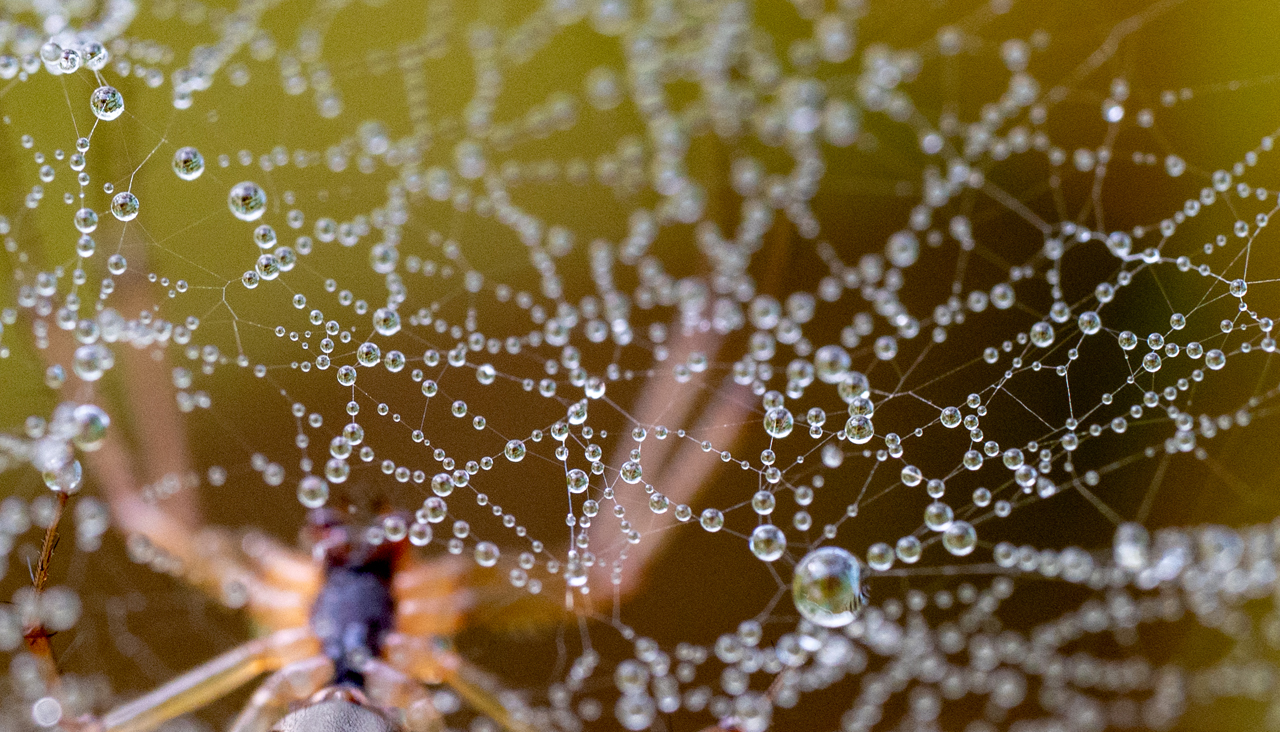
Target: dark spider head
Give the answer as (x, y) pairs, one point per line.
(334, 540)
(327, 536)
(336, 710)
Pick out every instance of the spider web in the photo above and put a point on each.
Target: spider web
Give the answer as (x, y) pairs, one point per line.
(594, 291)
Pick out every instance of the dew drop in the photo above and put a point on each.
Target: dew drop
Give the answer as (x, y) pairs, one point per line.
(778, 422)
(107, 103)
(712, 519)
(960, 538)
(188, 163)
(487, 554)
(827, 587)
(65, 479)
(86, 220)
(515, 450)
(313, 492)
(386, 321)
(859, 430)
(247, 201)
(768, 542)
(631, 472)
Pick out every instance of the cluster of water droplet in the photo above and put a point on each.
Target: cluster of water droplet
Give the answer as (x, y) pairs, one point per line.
(856, 384)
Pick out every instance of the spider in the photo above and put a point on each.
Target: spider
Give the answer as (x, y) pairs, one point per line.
(353, 635)
(354, 631)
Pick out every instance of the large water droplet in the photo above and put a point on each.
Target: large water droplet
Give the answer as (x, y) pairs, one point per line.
(107, 103)
(247, 201)
(827, 587)
(188, 163)
(768, 542)
(124, 206)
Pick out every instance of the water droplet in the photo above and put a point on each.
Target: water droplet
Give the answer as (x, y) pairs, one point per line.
(368, 354)
(487, 554)
(763, 503)
(247, 201)
(960, 538)
(659, 503)
(386, 321)
(631, 472)
(65, 479)
(827, 587)
(712, 519)
(69, 61)
(313, 492)
(264, 236)
(92, 360)
(880, 556)
(950, 417)
(95, 56)
(188, 163)
(91, 426)
(347, 375)
(635, 711)
(768, 542)
(1042, 334)
(938, 516)
(831, 364)
(124, 206)
(1089, 322)
(859, 430)
(1130, 547)
(420, 534)
(515, 450)
(909, 549)
(911, 475)
(86, 220)
(442, 484)
(778, 422)
(107, 103)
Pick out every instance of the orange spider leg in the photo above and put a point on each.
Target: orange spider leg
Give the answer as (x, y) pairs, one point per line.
(432, 597)
(275, 583)
(430, 661)
(441, 616)
(210, 681)
(282, 566)
(391, 688)
(680, 469)
(293, 682)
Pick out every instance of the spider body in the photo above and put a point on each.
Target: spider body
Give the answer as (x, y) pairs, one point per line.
(352, 616)
(335, 715)
(356, 633)
(355, 608)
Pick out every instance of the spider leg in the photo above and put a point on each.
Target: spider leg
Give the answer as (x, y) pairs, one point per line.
(276, 584)
(432, 597)
(293, 682)
(143, 476)
(431, 662)
(209, 681)
(390, 687)
(680, 469)
(281, 566)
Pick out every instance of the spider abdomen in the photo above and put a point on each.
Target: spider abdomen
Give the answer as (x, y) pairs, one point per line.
(352, 614)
